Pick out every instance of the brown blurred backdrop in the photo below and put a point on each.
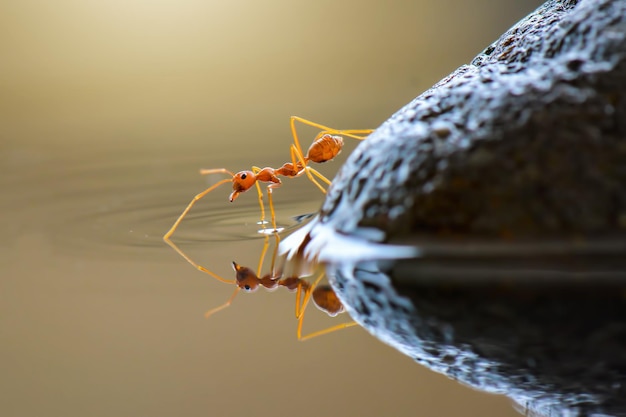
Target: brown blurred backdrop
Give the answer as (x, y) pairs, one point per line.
(107, 110)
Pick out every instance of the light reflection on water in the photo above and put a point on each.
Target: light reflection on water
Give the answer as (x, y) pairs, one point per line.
(121, 202)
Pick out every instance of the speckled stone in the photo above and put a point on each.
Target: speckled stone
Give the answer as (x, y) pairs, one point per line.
(523, 147)
(529, 139)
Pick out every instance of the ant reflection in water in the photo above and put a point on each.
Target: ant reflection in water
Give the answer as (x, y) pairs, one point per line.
(246, 279)
(325, 147)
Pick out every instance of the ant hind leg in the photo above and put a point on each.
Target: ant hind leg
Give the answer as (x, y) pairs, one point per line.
(351, 133)
(266, 244)
(307, 170)
(301, 309)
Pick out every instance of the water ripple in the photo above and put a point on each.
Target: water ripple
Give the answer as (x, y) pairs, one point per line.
(125, 203)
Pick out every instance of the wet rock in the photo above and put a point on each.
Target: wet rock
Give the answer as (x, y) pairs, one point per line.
(556, 348)
(529, 139)
(526, 145)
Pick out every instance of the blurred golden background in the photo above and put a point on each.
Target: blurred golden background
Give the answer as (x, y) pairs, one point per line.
(194, 71)
(107, 110)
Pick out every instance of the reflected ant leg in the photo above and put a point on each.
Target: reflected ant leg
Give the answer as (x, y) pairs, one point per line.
(198, 266)
(266, 241)
(274, 253)
(223, 306)
(264, 252)
(307, 294)
(300, 313)
(238, 270)
(195, 199)
(270, 187)
(325, 331)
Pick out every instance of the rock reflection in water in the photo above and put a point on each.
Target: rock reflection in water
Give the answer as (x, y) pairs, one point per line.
(548, 331)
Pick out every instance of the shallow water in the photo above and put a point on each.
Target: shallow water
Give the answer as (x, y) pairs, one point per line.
(108, 113)
(100, 317)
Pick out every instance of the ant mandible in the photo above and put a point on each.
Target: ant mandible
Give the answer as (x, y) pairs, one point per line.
(324, 297)
(326, 146)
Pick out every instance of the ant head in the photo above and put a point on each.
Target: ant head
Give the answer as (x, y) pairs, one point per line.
(242, 181)
(246, 278)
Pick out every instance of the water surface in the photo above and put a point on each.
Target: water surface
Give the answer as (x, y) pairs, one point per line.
(108, 111)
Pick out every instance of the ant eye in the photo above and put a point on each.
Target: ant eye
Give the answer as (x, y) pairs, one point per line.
(243, 176)
(246, 287)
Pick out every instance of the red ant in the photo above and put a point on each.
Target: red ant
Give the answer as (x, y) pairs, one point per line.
(324, 296)
(326, 146)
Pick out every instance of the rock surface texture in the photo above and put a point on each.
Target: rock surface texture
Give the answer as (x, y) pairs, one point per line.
(529, 139)
(526, 144)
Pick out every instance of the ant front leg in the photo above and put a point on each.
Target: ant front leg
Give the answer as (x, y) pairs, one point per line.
(267, 175)
(256, 170)
(223, 306)
(198, 197)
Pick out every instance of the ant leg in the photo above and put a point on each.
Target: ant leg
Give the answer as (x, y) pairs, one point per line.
(260, 194)
(193, 201)
(223, 306)
(294, 133)
(295, 154)
(308, 170)
(216, 171)
(197, 266)
(351, 133)
(307, 295)
(318, 175)
(300, 314)
(270, 187)
(355, 133)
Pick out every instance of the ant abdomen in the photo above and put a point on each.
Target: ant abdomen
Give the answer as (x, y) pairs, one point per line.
(326, 300)
(326, 148)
